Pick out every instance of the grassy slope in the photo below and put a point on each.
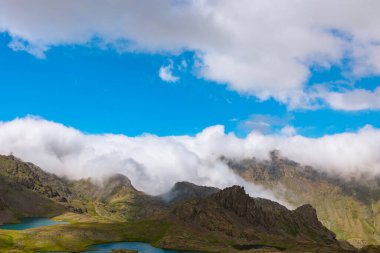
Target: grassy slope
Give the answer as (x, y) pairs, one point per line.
(349, 218)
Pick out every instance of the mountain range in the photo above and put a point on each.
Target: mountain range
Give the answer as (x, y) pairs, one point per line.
(188, 217)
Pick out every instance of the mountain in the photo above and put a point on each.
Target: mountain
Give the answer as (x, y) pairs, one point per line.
(347, 206)
(253, 221)
(23, 195)
(45, 194)
(187, 217)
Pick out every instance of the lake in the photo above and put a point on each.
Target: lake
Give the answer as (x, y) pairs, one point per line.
(139, 246)
(28, 223)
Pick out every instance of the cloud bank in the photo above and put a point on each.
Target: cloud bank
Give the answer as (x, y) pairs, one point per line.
(155, 163)
(263, 48)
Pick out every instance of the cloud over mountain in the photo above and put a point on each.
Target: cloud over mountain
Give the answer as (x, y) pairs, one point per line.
(262, 48)
(155, 163)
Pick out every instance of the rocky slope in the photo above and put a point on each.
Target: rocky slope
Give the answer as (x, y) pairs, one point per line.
(349, 207)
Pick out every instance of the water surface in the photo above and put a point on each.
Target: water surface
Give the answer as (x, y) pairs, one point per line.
(139, 246)
(28, 223)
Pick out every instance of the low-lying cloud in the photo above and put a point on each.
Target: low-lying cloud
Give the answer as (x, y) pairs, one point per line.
(152, 163)
(155, 163)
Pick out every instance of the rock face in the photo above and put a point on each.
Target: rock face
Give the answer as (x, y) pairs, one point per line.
(235, 214)
(349, 207)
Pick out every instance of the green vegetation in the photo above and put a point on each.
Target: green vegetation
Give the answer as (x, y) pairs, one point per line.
(77, 237)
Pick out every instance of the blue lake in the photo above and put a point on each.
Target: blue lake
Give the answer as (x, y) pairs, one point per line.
(139, 246)
(28, 223)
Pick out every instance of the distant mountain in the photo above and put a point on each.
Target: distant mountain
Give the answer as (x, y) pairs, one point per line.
(349, 207)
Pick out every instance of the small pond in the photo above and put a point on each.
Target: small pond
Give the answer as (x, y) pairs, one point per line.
(28, 223)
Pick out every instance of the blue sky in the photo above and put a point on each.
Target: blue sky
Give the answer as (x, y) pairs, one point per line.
(102, 91)
(96, 67)
(287, 75)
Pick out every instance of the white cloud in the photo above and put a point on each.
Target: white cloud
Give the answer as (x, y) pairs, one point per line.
(155, 163)
(19, 45)
(264, 48)
(152, 163)
(288, 130)
(264, 123)
(352, 100)
(166, 73)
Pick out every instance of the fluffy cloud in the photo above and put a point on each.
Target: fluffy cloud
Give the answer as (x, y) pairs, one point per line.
(353, 100)
(155, 163)
(264, 48)
(166, 73)
(152, 163)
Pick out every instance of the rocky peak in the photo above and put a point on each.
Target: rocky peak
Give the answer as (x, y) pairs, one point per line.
(309, 213)
(182, 191)
(234, 198)
(115, 186)
(118, 180)
(275, 155)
